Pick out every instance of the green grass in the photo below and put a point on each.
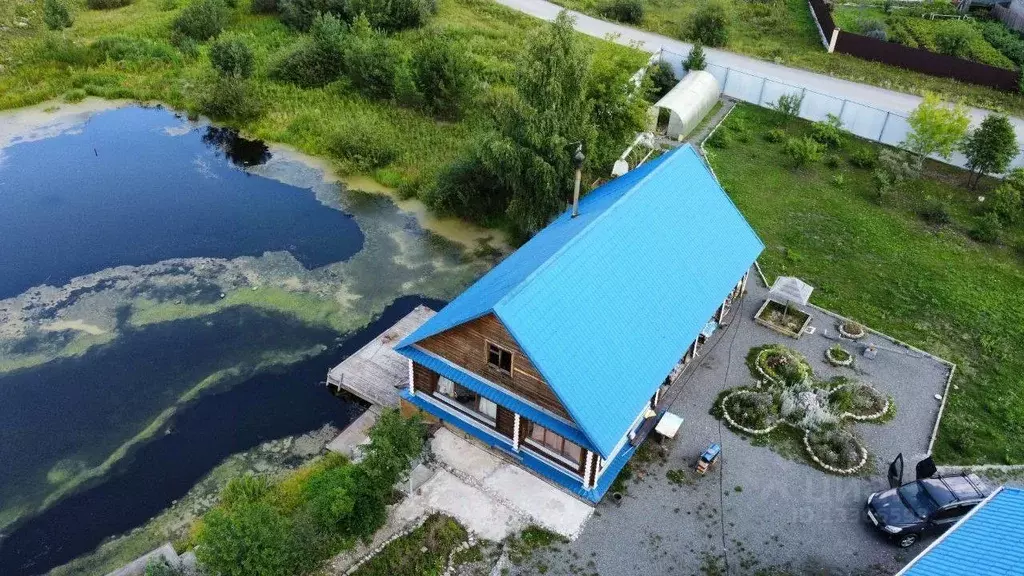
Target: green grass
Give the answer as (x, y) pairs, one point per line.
(39, 66)
(422, 552)
(930, 286)
(783, 31)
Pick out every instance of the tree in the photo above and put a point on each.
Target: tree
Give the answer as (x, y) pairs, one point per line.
(57, 15)
(394, 442)
(232, 57)
(628, 11)
(371, 60)
(935, 127)
(253, 539)
(710, 23)
(990, 148)
(201, 19)
(317, 60)
(443, 75)
(696, 60)
(663, 79)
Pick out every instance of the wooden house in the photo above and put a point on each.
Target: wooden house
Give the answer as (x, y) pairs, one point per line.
(560, 356)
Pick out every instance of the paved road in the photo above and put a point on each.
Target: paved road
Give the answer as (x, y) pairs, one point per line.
(888, 100)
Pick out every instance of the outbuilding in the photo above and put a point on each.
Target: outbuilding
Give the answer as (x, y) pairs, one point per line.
(689, 102)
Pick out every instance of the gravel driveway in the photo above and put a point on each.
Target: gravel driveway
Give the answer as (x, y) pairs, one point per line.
(758, 511)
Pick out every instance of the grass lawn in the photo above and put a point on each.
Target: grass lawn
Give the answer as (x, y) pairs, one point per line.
(308, 119)
(928, 285)
(784, 32)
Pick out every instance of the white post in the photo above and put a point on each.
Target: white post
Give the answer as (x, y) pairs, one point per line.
(412, 389)
(586, 470)
(515, 433)
(721, 313)
(743, 283)
(832, 41)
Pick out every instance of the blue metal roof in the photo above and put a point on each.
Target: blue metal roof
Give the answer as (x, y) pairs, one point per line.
(989, 541)
(606, 303)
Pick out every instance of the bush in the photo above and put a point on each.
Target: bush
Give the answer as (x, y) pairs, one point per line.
(829, 132)
(789, 105)
(371, 60)
(319, 59)
(775, 135)
(201, 19)
(832, 161)
(802, 151)
(988, 229)
(57, 15)
(954, 39)
(393, 15)
(231, 57)
(696, 60)
(467, 189)
(300, 14)
(230, 98)
(872, 28)
(663, 79)
(254, 538)
(718, 139)
(1006, 203)
(106, 4)
(365, 150)
(263, 7)
(865, 158)
(710, 24)
(628, 11)
(443, 75)
(934, 211)
(838, 179)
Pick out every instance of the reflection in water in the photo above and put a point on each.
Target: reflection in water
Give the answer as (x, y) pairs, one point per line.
(239, 151)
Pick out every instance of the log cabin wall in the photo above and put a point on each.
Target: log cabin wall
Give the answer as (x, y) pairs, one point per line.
(466, 346)
(505, 422)
(423, 379)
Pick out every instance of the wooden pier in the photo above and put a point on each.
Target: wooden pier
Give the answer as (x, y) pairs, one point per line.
(376, 373)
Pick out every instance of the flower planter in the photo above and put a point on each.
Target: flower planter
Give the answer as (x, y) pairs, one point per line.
(775, 316)
(851, 334)
(833, 360)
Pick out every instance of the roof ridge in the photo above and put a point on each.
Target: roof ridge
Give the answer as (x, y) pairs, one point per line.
(562, 249)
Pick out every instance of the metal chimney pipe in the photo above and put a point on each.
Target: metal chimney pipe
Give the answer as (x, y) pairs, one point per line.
(577, 160)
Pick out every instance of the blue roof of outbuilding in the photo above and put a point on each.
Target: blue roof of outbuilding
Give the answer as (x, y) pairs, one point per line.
(606, 303)
(990, 541)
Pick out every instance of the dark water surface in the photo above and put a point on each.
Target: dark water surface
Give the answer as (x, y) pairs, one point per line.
(129, 189)
(268, 406)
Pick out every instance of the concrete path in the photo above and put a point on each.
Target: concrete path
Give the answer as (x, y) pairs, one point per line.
(881, 98)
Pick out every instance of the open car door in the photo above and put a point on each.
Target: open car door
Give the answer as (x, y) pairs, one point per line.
(896, 472)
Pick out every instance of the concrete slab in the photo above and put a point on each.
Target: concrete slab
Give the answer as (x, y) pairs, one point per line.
(548, 506)
(353, 435)
(472, 507)
(463, 456)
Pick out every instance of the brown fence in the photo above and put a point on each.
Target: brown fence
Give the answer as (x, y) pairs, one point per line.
(914, 59)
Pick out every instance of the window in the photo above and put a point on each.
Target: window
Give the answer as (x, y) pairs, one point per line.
(555, 443)
(446, 387)
(499, 358)
(488, 408)
(466, 400)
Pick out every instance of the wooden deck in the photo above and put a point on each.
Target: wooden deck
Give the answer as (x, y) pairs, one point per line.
(376, 373)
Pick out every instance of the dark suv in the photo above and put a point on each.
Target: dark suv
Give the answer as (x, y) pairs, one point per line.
(930, 504)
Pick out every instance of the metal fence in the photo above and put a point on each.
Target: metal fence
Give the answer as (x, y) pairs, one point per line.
(860, 119)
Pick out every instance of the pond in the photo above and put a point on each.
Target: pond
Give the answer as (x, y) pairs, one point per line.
(174, 294)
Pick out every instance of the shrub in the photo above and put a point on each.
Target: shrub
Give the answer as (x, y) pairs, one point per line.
(248, 539)
(300, 14)
(136, 50)
(718, 139)
(75, 95)
(232, 57)
(988, 229)
(244, 490)
(934, 211)
(872, 28)
(1006, 203)
(160, 567)
(789, 105)
(696, 60)
(201, 19)
(832, 161)
(836, 447)
(467, 188)
(628, 11)
(829, 132)
(106, 4)
(865, 158)
(230, 98)
(802, 151)
(954, 39)
(57, 15)
(371, 60)
(710, 24)
(443, 75)
(838, 179)
(752, 409)
(263, 7)
(319, 59)
(364, 149)
(393, 15)
(663, 79)
(775, 135)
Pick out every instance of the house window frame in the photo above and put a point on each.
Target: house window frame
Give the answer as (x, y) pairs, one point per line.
(551, 453)
(474, 413)
(488, 344)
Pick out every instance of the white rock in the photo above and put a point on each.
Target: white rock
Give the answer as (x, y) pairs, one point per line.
(938, 396)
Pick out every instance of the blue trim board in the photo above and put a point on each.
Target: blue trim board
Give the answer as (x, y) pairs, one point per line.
(496, 395)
